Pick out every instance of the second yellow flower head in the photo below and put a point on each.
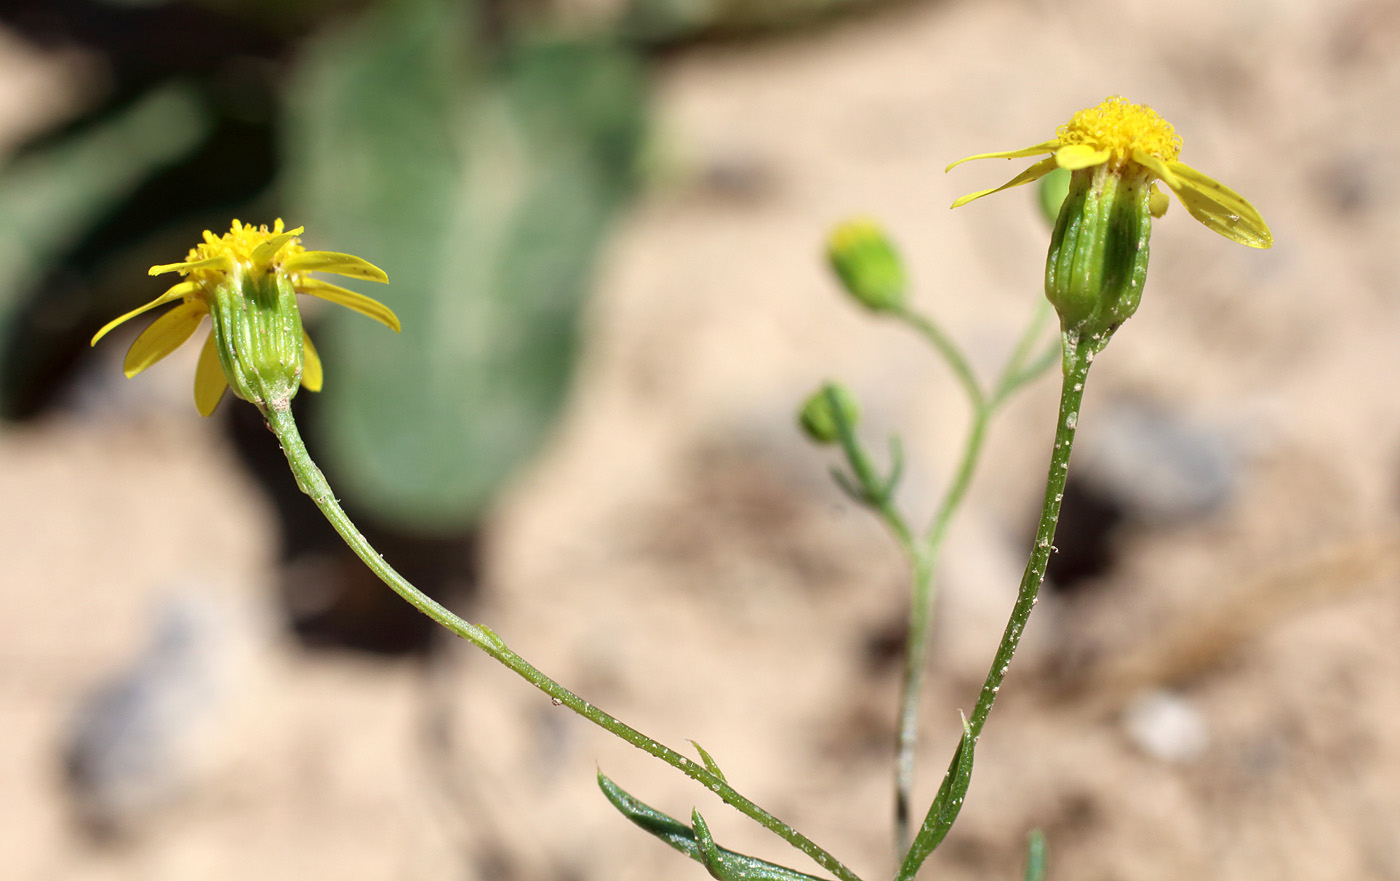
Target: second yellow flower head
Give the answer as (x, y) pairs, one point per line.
(1123, 134)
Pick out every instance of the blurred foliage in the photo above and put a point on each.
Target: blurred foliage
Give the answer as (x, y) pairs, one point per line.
(475, 158)
(481, 169)
(674, 21)
(52, 194)
(484, 187)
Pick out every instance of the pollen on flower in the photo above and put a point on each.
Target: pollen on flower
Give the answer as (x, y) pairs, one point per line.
(1122, 127)
(239, 245)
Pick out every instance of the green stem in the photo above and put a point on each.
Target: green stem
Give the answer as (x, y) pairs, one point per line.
(1078, 357)
(925, 562)
(1016, 364)
(911, 686)
(313, 483)
(950, 352)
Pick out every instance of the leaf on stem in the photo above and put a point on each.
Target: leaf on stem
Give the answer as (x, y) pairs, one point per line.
(896, 468)
(697, 843)
(849, 487)
(945, 807)
(710, 764)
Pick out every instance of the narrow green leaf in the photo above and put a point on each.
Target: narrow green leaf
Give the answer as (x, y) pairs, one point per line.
(891, 483)
(848, 486)
(710, 856)
(945, 807)
(697, 843)
(708, 760)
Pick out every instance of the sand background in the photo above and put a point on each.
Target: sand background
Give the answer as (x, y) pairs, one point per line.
(679, 556)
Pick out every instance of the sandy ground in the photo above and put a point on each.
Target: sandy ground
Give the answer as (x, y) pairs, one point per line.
(1221, 702)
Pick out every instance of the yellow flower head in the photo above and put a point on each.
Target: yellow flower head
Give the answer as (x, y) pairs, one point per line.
(248, 271)
(1133, 138)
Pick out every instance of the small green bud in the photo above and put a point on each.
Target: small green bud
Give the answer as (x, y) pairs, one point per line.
(258, 336)
(818, 418)
(867, 264)
(1097, 264)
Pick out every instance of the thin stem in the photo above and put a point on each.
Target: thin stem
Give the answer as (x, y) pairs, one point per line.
(910, 689)
(313, 483)
(875, 492)
(925, 560)
(1006, 381)
(925, 563)
(1078, 357)
(950, 352)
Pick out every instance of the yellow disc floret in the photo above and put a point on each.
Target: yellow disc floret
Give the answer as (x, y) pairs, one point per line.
(1121, 127)
(255, 250)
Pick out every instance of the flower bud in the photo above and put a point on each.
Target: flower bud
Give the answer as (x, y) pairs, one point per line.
(1097, 264)
(258, 336)
(821, 421)
(867, 264)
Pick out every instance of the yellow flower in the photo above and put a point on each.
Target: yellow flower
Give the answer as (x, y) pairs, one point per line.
(1133, 138)
(246, 280)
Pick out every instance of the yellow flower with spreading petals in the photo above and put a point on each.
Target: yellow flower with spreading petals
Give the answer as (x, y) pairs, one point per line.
(1132, 138)
(247, 280)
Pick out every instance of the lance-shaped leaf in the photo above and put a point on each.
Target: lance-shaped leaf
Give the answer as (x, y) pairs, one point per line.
(945, 807)
(697, 843)
(710, 764)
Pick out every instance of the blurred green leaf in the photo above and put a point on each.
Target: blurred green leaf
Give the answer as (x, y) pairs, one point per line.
(946, 805)
(697, 844)
(676, 20)
(484, 186)
(50, 197)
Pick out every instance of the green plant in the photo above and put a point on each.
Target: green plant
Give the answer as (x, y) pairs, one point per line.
(247, 281)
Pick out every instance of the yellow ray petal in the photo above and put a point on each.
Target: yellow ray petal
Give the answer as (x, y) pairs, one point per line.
(329, 261)
(218, 261)
(350, 300)
(1161, 169)
(1034, 173)
(1047, 147)
(262, 254)
(209, 379)
(184, 288)
(166, 334)
(311, 375)
(1220, 208)
(1076, 156)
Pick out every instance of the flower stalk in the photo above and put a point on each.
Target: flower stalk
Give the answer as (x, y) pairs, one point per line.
(1078, 356)
(312, 482)
(248, 281)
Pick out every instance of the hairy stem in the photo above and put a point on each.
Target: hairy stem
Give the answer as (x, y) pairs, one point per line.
(1078, 357)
